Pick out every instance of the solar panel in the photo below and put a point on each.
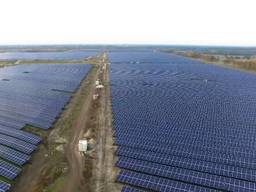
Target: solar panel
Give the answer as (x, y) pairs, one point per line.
(22, 135)
(32, 94)
(187, 153)
(180, 119)
(9, 170)
(186, 175)
(130, 189)
(55, 55)
(17, 144)
(4, 186)
(156, 183)
(196, 165)
(13, 155)
(34, 87)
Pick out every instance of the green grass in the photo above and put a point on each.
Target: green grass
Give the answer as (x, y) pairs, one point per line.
(6, 180)
(35, 130)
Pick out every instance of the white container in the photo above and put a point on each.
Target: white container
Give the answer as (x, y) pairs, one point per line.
(99, 86)
(95, 96)
(82, 145)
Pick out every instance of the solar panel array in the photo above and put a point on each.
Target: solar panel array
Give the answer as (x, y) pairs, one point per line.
(181, 125)
(33, 94)
(48, 55)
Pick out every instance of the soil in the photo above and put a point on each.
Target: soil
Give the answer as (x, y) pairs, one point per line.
(76, 181)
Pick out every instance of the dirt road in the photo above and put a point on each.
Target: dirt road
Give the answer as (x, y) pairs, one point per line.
(58, 166)
(75, 179)
(56, 161)
(104, 171)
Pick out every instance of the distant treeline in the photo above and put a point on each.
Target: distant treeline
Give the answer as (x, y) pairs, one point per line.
(243, 62)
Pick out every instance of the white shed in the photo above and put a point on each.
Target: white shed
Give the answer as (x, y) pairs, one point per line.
(82, 145)
(99, 86)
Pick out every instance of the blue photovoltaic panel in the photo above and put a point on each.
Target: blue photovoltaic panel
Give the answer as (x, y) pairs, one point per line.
(19, 134)
(9, 170)
(51, 55)
(13, 155)
(138, 57)
(131, 189)
(186, 175)
(32, 94)
(41, 89)
(184, 120)
(17, 144)
(4, 186)
(196, 165)
(199, 154)
(156, 183)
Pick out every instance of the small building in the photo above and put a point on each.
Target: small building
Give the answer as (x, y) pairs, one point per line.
(82, 145)
(95, 96)
(99, 86)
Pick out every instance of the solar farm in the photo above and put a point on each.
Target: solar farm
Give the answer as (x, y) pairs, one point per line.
(44, 55)
(32, 94)
(151, 120)
(182, 125)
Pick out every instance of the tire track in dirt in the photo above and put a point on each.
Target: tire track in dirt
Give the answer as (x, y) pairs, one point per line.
(104, 168)
(75, 179)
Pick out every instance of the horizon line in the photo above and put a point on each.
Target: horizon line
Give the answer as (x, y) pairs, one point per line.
(128, 45)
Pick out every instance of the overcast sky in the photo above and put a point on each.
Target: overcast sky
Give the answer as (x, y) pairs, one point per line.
(199, 22)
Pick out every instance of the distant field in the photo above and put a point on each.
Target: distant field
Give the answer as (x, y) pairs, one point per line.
(242, 58)
(231, 51)
(242, 62)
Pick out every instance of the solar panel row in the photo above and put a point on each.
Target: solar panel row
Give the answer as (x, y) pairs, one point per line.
(4, 186)
(182, 123)
(34, 87)
(55, 55)
(156, 183)
(9, 170)
(130, 189)
(32, 94)
(191, 164)
(190, 152)
(185, 175)
(22, 135)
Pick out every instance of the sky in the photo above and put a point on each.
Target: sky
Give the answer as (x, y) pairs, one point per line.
(179, 22)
